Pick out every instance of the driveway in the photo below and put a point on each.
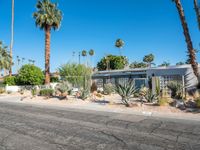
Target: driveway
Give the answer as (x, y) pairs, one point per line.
(31, 127)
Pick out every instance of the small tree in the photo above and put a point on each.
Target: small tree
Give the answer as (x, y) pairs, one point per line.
(30, 75)
(138, 65)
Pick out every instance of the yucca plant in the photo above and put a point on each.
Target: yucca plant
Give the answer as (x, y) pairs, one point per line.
(126, 91)
(150, 97)
(176, 89)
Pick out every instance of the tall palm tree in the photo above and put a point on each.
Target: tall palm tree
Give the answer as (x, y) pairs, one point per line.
(197, 10)
(12, 37)
(84, 54)
(191, 50)
(119, 44)
(48, 16)
(91, 53)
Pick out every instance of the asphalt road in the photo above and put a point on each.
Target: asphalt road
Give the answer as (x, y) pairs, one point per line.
(26, 127)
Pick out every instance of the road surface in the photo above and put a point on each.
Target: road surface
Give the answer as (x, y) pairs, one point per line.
(29, 127)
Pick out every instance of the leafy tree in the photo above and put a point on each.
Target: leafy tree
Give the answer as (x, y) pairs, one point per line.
(149, 59)
(119, 44)
(30, 75)
(48, 16)
(76, 74)
(138, 65)
(9, 80)
(191, 50)
(112, 62)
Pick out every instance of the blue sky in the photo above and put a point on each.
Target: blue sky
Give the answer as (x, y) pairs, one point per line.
(145, 26)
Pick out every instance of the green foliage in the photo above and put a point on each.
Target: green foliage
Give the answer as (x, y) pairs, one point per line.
(30, 75)
(77, 74)
(85, 94)
(47, 15)
(126, 91)
(63, 87)
(165, 64)
(149, 59)
(91, 52)
(163, 101)
(108, 89)
(138, 65)
(180, 63)
(10, 80)
(34, 91)
(4, 57)
(84, 53)
(112, 62)
(46, 92)
(54, 79)
(119, 43)
(150, 97)
(176, 89)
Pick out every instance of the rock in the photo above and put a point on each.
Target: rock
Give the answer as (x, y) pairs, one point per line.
(191, 104)
(179, 104)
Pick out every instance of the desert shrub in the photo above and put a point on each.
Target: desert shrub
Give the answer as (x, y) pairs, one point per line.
(163, 101)
(126, 91)
(85, 93)
(30, 75)
(176, 89)
(54, 79)
(10, 80)
(108, 89)
(63, 88)
(34, 91)
(150, 97)
(46, 92)
(2, 90)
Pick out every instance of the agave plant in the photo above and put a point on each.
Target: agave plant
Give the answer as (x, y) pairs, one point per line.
(150, 97)
(126, 91)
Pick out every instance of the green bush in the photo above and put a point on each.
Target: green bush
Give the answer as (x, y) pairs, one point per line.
(54, 79)
(30, 75)
(108, 89)
(46, 92)
(176, 89)
(163, 102)
(10, 81)
(63, 88)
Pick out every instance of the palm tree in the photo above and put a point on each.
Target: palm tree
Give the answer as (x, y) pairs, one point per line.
(18, 63)
(91, 53)
(191, 50)
(149, 59)
(197, 10)
(4, 58)
(165, 64)
(119, 44)
(48, 16)
(12, 37)
(23, 59)
(84, 54)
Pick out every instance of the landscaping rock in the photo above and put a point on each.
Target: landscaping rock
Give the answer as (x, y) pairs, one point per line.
(191, 104)
(179, 104)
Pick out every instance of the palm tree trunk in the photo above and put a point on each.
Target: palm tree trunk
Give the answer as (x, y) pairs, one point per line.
(12, 37)
(191, 51)
(197, 10)
(47, 54)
